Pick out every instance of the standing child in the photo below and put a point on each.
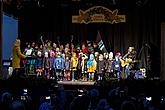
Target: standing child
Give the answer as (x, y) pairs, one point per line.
(74, 62)
(108, 67)
(51, 59)
(116, 65)
(91, 67)
(67, 69)
(79, 66)
(83, 67)
(100, 67)
(58, 66)
(39, 62)
(46, 65)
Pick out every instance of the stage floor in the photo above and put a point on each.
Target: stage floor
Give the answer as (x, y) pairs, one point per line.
(89, 83)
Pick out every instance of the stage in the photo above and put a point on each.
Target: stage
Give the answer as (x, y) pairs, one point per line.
(87, 83)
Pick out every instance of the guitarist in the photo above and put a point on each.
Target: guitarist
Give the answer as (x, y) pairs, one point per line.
(127, 61)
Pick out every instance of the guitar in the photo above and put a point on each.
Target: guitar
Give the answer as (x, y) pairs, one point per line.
(128, 61)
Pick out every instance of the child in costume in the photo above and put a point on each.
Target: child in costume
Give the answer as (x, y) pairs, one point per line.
(63, 57)
(46, 65)
(116, 65)
(29, 65)
(39, 61)
(74, 62)
(58, 66)
(51, 59)
(91, 67)
(25, 61)
(108, 67)
(100, 67)
(79, 66)
(67, 69)
(84, 58)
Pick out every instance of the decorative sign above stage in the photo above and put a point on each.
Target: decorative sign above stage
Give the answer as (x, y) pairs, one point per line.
(98, 14)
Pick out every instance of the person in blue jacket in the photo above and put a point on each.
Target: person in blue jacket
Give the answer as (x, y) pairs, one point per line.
(116, 66)
(59, 66)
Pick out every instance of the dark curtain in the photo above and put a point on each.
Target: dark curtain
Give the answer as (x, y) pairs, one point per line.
(162, 51)
(141, 30)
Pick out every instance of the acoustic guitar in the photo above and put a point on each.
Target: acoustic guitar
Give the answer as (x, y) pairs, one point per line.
(127, 61)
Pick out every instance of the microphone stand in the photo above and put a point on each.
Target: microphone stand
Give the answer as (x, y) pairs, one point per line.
(148, 65)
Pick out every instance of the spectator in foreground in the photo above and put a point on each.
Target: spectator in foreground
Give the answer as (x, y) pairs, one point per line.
(17, 105)
(6, 100)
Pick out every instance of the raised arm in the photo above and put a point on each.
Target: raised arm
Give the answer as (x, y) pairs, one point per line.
(18, 50)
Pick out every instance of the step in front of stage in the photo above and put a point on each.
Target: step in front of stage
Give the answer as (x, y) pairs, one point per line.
(87, 83)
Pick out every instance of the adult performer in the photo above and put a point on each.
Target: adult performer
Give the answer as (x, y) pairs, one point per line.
(16, 55)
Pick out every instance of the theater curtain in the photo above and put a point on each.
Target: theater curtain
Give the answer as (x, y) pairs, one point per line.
(141, 30)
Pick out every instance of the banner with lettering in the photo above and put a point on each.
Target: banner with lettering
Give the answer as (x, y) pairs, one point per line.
(98, 14)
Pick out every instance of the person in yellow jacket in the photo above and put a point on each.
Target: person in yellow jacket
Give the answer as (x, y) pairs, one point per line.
(17, 55)
(74, 63)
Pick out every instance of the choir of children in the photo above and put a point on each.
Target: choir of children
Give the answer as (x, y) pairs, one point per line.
(64, 63)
